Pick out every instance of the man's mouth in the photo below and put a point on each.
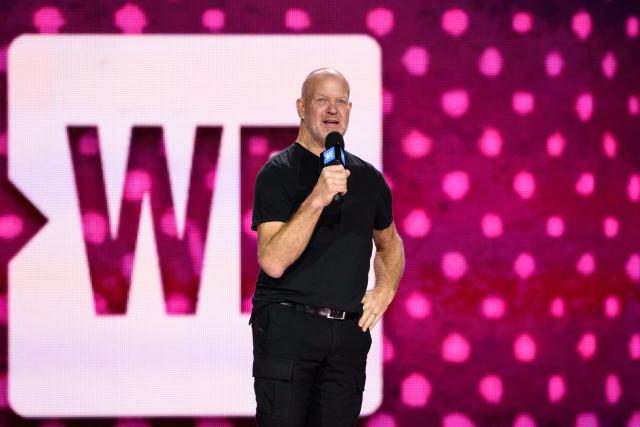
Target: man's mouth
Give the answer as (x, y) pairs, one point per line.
(331, 122)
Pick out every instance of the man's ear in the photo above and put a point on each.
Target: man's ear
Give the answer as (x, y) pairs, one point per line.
(300, 108)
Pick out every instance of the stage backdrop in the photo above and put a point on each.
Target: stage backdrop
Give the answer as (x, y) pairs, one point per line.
(130, 136)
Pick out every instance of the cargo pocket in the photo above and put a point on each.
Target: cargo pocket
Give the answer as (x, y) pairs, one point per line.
(272, 385)
(260, 330)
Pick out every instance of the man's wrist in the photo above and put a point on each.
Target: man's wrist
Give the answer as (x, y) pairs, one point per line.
(314, 203)
(387, 288)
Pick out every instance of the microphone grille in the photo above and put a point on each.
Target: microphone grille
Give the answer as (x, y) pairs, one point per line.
(334, 138)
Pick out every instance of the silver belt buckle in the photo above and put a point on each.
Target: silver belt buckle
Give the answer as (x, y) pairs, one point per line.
(337, 314)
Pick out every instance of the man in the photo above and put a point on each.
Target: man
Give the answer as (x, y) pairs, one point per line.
(311, 318)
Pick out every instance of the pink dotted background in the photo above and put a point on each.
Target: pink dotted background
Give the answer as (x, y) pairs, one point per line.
(511, 145)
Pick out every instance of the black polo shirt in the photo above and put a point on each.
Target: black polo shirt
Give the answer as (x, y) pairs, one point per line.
(333, 269)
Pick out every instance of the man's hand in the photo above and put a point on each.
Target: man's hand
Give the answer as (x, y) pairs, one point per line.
(332, 180)
(375, 303)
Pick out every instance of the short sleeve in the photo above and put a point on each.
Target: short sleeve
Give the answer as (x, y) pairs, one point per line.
(271, 200)
(384, 216)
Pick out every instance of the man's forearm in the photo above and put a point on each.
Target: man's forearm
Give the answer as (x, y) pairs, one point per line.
(388, 265)
(286, 245)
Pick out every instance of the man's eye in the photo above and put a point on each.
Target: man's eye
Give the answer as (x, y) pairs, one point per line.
(342, 101)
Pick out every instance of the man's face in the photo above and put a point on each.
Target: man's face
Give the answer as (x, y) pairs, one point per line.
(326, 107)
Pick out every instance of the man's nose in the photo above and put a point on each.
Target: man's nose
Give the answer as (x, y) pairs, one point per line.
(332, 108)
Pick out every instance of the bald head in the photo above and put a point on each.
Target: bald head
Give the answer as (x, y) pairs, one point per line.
(318, 75)
(323, 107)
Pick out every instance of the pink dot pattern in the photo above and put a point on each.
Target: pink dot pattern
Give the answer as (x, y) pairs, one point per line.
(455, 348)
(632, 27)
(381, 420)
(584, 106)
(587, 419)
(613, 389)
(455, 184)
(416, 224)
(524, 184)
(524, 420)
(633, 105)
(556, 388)
(524, 266)
(48, 20)
(11, 226)
(556, 144)
(555, 226)
(609, 145)
(297, 19)
(609, 65)
(586, 264)
(557, 307)
(586, 184)
(612, 307)
(490, 143)
(633, 188)
(634, 347)
(380, 21)
(94, 227)
(416, 144)
(491, 389)
(524, 348)
(522, 22)
(417, 306)
(523, 102)
(130, 19)
(493, 307)
(213, 19)
(633, 267)
(581, 24)
(138, 183)
(415, 390)
(455, 22)
(491, 225)
(554, 63)
(416, 60)
(490, 63)
(454, 265)
(388, 350)
(457, 419)
(455, 102)
(587, 345)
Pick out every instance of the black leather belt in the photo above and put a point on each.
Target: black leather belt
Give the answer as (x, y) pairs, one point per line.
(327, 312)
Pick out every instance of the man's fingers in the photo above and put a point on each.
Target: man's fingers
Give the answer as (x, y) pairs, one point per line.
(375, 322)
(371, 323)
(370, 317)
(363, 319)
(366, 316)
(338, 171)
(337, 182)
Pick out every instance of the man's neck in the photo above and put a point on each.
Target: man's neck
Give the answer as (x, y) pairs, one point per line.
(309, 143)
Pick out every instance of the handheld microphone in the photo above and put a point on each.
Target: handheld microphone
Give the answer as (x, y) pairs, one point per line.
(334, 154)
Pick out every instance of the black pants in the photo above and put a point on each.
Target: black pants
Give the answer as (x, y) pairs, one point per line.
(308, 370)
